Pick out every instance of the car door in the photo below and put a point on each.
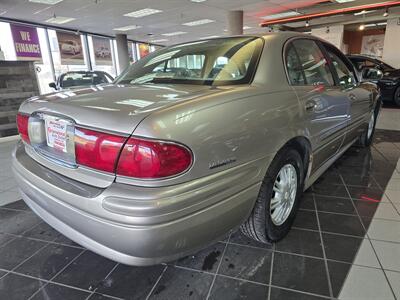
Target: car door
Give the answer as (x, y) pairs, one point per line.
(325, 110)
(360, 97)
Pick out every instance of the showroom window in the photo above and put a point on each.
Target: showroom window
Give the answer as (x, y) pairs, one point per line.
(101, 54)
(6, 42)
(314, 64)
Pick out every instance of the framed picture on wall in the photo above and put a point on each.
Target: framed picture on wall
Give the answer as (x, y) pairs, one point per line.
(373, 45)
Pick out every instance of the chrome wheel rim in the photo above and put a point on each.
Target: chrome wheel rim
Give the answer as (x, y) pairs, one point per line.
(283, 195)
(371, 126)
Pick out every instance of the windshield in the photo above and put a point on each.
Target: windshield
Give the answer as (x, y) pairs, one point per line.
(82, 79)
(216, 61)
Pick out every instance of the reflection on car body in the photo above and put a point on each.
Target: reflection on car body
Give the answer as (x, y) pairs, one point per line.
(190, 142)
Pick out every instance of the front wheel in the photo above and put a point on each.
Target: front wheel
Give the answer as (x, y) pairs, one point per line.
(277, 201)
(368, 135)
(396, 97)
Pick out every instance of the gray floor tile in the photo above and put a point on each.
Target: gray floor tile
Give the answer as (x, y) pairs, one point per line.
(384, 230)
(388, 254)
(365, 283)
(394, 280)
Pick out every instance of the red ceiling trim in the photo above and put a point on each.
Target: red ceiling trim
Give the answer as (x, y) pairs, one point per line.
(331, 13)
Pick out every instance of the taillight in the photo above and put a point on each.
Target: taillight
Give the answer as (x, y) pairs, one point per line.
(142, 158)
(97, 150)
(22, 124)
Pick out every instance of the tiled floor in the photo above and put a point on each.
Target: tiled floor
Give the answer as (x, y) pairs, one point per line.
(345, 244)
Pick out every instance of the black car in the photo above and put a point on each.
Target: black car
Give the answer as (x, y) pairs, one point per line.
(387, 77)
(75, 79)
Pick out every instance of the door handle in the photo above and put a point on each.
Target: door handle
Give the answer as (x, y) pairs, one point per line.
(310, 105)
(352, 97)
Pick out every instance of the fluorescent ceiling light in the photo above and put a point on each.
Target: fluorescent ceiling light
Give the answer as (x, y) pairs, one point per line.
(376, 24)
(382, 24)
(370, 25)
(198, 1)
(48, 2)
(59, 20)
(209, 37)
(127, 28)
(174, 33)
(246, 27)
(198, 22)
(286, 14)
(143, 12)
(364, 12)
(344, 1)
(159, 41)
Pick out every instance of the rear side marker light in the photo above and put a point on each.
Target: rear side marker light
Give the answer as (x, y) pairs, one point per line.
(22, 124)
(97, 150)
(147, 159)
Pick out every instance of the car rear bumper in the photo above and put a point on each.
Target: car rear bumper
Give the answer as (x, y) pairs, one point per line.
(135, 226)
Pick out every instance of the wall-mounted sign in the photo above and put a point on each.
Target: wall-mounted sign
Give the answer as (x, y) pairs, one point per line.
(144, 49)
(70, 46)
(26, 42)
(102, 51)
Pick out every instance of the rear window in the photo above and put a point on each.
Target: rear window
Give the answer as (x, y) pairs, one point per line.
(83, 79)
(216, 61)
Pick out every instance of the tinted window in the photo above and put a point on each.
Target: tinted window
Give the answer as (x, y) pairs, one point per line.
(345, 75)
(294, 68)
(313, 63)
(83, 79)
(216, 61)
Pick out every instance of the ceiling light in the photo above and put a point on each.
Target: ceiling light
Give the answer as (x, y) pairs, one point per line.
(159, 41)
(174, 33)
(209, 37)
(142, 13)
(246, 27)
(48, 2)
(59, 20)
(382, 24)
(198, 1)
(307, 23)
(198, 22)
(368, 25)
(127, 28)
(281, 15)
(386, 13)
(363, 12)
(362, 27)
(344, 1)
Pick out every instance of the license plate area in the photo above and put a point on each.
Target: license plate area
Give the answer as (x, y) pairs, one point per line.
(53, 136)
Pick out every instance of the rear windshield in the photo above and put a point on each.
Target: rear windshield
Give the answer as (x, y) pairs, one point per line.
(208, 62)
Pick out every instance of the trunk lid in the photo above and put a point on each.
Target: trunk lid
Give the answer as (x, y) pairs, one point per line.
(116, 108)
(110, 108)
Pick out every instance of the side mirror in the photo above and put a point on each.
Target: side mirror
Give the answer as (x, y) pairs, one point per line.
(371, 74)
(52, 85)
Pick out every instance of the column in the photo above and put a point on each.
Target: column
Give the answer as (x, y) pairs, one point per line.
(235, 22)
(392, 43)
(122, 49)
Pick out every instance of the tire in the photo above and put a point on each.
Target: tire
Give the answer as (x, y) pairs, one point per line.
(396, 96)
(261, 226)
(368, 135)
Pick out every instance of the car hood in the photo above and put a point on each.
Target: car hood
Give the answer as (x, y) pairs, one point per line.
(118, 108)
(392, 74)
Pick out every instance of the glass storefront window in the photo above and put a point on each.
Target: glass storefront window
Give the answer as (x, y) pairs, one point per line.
(43, 68)
(101, 55)
(6, 42)
(60, 65)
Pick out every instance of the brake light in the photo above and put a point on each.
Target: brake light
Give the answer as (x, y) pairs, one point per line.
(97, 150)
(22, 124)
(142, 158)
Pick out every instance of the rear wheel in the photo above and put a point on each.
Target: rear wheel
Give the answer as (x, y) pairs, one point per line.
(396, 97)
(368, 135)
(277, 202)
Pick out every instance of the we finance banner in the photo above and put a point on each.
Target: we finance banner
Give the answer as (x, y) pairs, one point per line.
(26, 42)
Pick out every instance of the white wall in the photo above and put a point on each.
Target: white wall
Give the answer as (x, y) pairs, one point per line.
(391, 49)
(334, 36)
